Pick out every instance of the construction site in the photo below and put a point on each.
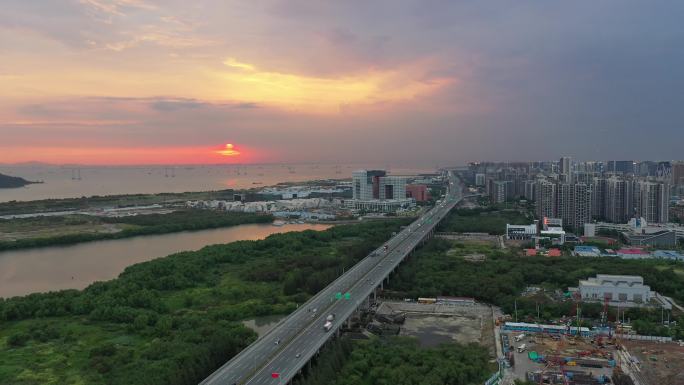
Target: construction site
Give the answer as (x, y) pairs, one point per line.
(434, 321)
(656, 362)
(558, 359)
(559, 354)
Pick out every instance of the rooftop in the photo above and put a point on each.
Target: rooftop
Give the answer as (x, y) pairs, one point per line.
(633, 251)
(587, 249)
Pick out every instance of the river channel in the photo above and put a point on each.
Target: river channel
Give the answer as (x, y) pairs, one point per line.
(77, 266)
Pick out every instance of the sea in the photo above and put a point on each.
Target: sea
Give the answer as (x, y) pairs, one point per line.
(78, 181)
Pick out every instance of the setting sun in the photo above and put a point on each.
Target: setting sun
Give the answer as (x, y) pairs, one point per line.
(229, 150)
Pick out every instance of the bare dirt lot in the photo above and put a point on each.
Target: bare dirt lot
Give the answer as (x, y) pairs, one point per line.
(661, 363)
(434, 324)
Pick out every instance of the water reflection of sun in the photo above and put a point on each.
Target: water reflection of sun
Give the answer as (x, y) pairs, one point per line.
(229, 150)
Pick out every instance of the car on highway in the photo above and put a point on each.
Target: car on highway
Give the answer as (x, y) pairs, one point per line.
(277, 341)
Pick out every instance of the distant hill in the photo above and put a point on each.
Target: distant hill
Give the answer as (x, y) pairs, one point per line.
(7, 181)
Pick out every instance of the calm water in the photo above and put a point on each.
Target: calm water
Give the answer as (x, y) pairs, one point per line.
(75, 267)
(60, 182)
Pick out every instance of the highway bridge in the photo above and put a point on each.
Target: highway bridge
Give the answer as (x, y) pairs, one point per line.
(277, 356)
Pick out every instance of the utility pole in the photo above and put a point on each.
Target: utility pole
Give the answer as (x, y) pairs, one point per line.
(515, 304)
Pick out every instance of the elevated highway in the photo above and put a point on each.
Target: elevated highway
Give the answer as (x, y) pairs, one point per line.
(297, 338)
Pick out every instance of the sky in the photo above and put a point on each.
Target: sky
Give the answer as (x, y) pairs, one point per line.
(392, 81)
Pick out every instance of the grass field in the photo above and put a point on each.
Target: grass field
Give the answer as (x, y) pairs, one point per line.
(484, 221)
(41, 231)
(46, 227)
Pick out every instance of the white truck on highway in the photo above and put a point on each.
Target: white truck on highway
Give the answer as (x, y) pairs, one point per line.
(327, 326)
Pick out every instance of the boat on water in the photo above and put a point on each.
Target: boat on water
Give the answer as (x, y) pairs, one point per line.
(278, 223)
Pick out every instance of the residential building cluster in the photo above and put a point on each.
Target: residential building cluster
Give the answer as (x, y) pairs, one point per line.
(582, 192)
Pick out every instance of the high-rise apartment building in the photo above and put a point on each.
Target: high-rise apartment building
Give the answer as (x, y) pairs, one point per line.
(652, 201)
(598, 197)
(618, 200)
(479, 179)
(501, 190)
(529, 190)
(678, 173)
(545, 199)
(565, 169)
(574, 204)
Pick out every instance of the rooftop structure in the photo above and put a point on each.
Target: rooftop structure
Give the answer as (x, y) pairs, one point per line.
(521, 232)
(633, 253)
(586, 251)
(628, 289)
(664, 238)
(556, 234)
(668, 254)
(633, 227)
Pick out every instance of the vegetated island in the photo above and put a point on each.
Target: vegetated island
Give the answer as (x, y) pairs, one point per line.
(7, 181)
(23, 233)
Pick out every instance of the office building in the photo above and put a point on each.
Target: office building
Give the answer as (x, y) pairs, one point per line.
(419, 192)
(366, 184)
(521, 232)
(392, 187)
(374, 190)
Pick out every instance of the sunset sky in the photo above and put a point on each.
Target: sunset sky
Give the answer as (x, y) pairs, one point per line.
(395, 81)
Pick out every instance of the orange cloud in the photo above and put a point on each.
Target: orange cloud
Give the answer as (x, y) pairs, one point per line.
(245, 82)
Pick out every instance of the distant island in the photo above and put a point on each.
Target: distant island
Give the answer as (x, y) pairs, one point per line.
(7, 181)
